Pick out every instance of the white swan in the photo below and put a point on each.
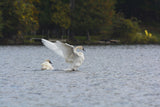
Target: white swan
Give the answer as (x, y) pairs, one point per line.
(47, 65)
(68, 52)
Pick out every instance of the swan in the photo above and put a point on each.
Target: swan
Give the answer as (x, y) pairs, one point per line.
(47, 65)
(66, 51)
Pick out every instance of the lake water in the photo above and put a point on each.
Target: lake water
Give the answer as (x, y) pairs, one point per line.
(111, 76)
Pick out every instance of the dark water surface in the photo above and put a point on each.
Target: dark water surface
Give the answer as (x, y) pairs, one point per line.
(112, 76)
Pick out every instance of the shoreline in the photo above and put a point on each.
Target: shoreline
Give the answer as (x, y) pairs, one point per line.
(108, 42)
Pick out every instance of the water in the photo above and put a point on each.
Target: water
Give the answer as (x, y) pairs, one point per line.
(113, 76)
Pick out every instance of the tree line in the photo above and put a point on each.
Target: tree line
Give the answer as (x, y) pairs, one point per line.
(145, 10)
(69, 19)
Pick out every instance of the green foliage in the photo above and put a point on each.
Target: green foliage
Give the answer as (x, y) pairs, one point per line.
(141, 38)
(129, 31)
(44, 8)
(145, 10)
(18, 18)
(90, 16)
(9, 18)
(125, 29)
(26, 12)
(78, 19)
(61, 13)
(54, 17)
(1, 24)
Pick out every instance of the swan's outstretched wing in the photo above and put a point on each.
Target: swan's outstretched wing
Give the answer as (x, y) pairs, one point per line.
(53, 47)
(68, 51)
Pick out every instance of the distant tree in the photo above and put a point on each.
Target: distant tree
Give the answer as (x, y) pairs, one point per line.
(54, 17)
(18, 18)
(27, 16)
(61, 13)
(90, 16)
(9, 18)
(45, 14)
(145, 10)
(1, 24)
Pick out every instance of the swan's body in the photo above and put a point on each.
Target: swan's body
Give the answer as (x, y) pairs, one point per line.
(68, 52)
(47, 65)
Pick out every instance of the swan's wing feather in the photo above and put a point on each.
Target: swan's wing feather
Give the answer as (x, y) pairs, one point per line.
(53, 47)
(67, 49)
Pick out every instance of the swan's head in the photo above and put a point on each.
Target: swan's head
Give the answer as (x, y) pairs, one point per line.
(47, 65)
(49, 61)
(80, 47)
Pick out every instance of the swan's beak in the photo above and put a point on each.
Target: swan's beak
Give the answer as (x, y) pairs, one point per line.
(50, 62)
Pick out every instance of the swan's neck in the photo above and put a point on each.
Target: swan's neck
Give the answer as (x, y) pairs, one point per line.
(75, 50)
(79, 53)
(78, 47)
